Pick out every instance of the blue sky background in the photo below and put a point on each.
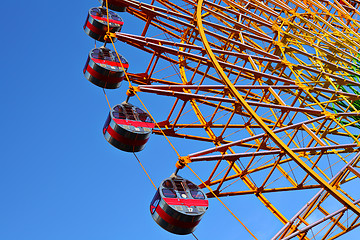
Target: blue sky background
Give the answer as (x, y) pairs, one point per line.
(59, 178)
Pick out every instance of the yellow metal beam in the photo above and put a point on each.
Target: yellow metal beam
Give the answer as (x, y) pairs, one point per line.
(267, 130)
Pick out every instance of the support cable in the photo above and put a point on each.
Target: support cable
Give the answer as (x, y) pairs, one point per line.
(221, 201)
(107, 100)
(194, 236)
(145, 171)
(107, 17)
(130, 86)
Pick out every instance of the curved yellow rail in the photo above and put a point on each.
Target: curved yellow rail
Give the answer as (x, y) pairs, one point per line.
(337, 195)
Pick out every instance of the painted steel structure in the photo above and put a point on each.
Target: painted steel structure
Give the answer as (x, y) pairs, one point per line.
(273, 88)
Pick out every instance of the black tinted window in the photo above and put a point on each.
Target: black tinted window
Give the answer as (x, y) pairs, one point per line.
(169, 193)
(168, 184)
(197, 194)
(191, 185)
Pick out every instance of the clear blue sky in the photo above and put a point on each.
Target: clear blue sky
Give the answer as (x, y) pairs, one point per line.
(59, 178)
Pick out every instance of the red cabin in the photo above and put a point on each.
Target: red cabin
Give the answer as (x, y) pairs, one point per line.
(103, 68)
(128, 128)
(178, 205)
(96, 24)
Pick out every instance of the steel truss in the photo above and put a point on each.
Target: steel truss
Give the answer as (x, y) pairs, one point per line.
(273, 86)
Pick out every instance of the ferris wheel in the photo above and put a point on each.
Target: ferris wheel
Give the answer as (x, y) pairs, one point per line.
(268, 90)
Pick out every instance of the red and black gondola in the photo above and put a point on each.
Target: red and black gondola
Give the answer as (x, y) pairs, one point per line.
(103, 68)
(128, 127)
(96, 24)
(178, 205)
(116, 5)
